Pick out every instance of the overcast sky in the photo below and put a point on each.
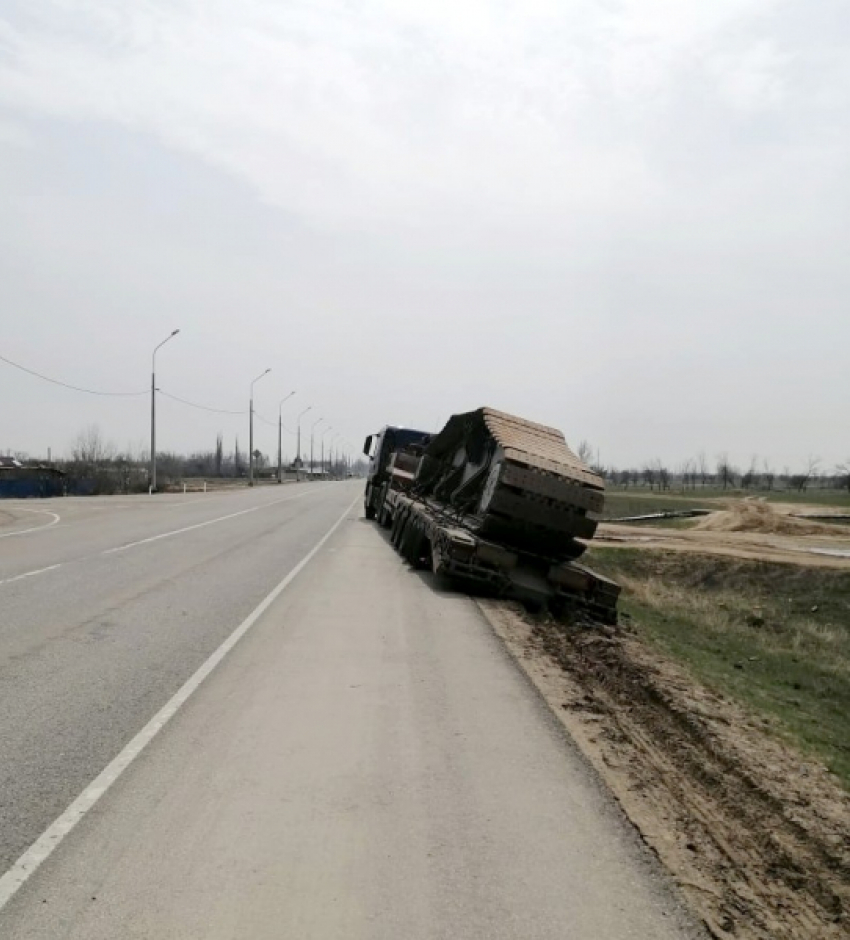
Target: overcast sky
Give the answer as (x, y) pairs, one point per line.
(627, 219)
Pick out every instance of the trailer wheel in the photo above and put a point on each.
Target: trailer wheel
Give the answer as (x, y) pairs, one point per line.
(413, 546)
(407, 542)
(384, 517)
(397, 530)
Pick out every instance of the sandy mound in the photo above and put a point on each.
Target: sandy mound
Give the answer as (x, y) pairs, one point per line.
(759, 516)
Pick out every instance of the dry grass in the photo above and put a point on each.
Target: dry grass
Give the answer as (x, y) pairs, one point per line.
(775, 636)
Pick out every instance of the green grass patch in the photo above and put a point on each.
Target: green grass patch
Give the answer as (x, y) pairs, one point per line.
(705, 495)
(776, 637)
(640, 504)
(828, 498)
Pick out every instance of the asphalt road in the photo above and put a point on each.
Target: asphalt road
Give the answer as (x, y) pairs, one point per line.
(365, 761)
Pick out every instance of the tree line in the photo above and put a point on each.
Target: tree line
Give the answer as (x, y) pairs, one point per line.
(96, 465)
(720, 473)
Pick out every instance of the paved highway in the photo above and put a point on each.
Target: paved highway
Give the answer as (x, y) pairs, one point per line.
(240, 715)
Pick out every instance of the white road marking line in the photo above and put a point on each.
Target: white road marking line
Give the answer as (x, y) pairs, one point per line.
(38, 528)
(199, 525)
(43, 847)
(30, 574)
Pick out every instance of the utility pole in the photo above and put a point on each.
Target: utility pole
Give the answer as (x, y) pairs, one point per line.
(298, 465)
(153, 409)
(329, 428)
(312, 434)
(251, 428)
(279, 430)
(333, 446)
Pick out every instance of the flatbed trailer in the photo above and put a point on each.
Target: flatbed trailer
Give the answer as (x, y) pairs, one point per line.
(427, 536)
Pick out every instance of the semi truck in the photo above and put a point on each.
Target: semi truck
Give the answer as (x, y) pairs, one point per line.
(492, 502)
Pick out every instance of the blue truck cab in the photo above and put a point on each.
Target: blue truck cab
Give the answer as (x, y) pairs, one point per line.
(379, 448)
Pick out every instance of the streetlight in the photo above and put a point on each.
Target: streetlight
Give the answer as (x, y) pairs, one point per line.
(279, 428)
(312, 429)
(298, 471)
(322, 464)
(251, 428)
(333, 444)
(153, 409)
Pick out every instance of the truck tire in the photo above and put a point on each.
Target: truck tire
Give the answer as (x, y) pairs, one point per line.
(412, 545)
(382, 514)
(397, 531)
(406, 542)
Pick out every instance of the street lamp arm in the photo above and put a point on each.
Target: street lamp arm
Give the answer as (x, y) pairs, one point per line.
(257, 379)
(167, 338)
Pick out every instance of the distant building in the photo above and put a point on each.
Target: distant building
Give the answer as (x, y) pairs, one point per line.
(20, 482)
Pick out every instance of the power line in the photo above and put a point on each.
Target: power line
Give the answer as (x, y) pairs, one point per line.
(272, 424)
(191, 404)
(75, 388)
(92, 391)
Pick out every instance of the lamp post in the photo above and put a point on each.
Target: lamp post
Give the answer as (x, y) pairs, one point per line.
(153, 409)
(279, 430)
(312, 432)
(251, 428)
(333, 446)
(298, 471)
(322, 464)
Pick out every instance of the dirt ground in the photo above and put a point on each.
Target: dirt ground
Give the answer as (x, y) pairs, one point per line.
(748, 528)
(756, 837)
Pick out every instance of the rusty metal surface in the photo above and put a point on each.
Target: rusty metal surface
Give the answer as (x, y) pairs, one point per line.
(537, 445)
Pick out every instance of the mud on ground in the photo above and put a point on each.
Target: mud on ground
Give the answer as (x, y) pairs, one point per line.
(756, 837)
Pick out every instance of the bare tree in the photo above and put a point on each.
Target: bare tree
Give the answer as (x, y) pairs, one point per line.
(650, 475)
(748, 479)
(702, 463)
(627, 477)
(767, 475)
(662, 474)
(801, 480)
(219, 454)
(687, 474)
(585, 452)
(725, 471)
(90, 449)
(843, 470)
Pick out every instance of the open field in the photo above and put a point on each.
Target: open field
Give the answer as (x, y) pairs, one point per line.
(833, 498)
(638, 500)
(740, 528)
(638, 503)
(774, 636)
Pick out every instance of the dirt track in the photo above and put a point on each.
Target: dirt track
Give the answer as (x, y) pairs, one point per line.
(757, 838)
(744, 529)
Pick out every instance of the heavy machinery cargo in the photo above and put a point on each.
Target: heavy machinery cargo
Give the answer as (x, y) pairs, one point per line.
(493, 501)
